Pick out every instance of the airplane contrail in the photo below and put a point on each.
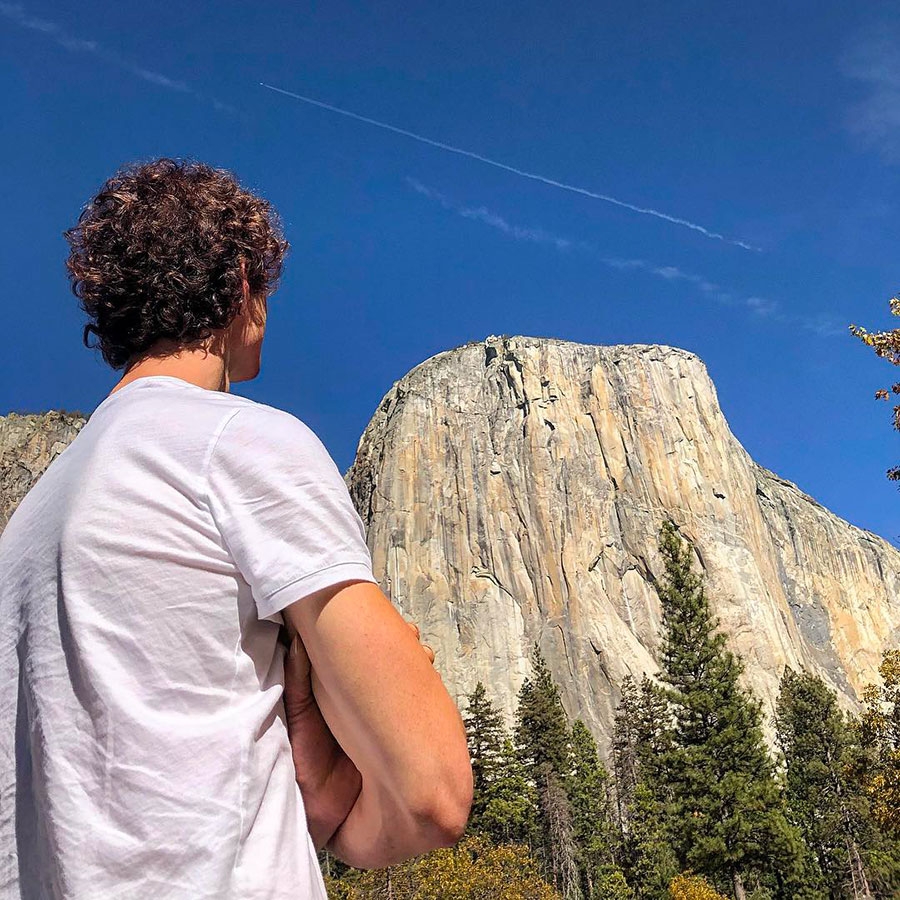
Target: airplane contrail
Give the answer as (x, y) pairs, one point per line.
(643, 210)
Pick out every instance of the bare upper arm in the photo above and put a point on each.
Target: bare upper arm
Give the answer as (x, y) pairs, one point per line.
(382, 699)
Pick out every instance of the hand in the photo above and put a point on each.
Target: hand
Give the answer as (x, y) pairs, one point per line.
(329, 782)
(298, 692)
(428, 651)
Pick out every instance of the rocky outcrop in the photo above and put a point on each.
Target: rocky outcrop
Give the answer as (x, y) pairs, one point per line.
(28, 444)
(513, 490)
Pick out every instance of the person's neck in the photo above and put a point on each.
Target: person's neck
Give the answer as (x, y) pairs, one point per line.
(202, 367)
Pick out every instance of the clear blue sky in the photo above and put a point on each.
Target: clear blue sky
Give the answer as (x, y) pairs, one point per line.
(774, 125)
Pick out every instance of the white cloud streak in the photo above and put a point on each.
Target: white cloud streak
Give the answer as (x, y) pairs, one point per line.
(878, 118)
(482, 214)
(16, 13)
(762, 307)
(450, 148)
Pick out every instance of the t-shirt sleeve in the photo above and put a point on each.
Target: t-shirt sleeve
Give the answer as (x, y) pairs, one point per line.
(283, 509)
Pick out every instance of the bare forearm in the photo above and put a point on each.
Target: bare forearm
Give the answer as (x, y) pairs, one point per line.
(393, 717)
(329, 781)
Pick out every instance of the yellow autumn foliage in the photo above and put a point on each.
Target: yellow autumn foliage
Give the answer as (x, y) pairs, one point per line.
(693, 887)
(886, 344)
(474, 869)
(879, 731)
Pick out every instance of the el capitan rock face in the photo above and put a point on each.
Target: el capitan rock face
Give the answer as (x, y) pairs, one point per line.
(513, 489)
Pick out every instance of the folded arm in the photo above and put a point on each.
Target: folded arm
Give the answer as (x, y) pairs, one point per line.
(329, 781)
(389, 711)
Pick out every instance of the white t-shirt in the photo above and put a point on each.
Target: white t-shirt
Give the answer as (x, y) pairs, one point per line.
(143, 748)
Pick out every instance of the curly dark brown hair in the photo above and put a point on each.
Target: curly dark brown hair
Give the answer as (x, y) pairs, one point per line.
(158, 254)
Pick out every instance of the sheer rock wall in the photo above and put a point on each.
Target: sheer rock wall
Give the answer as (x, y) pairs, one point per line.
(513, 490)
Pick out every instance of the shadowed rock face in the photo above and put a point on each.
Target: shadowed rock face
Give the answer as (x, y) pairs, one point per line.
(28, 444)
(513, 490)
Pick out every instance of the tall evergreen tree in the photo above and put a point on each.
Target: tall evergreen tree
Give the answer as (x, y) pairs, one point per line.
(640, 738)
(485, 733)
(725, 801)
(542, 741)
(655, 733)
(648, 857)
(511, 808)
(541, 724)
(588, 790)
(625, 749)
(504, 802)
(829, 808)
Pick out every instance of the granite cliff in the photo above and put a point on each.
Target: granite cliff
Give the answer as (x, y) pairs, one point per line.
(513, 489)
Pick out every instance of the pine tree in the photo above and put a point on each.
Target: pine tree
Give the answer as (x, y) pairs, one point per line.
(640, 738)
(542, 726)
(829, 808)
(510, 809)
(625, 749)
(504, 803)
(728, 812)
(587, 787)
(649, 860)
(542, 741)
(485, 733)
(654, 733)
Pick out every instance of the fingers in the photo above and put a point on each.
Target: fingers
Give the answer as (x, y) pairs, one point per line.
(428, 651)
(298, 696)
(297, 657)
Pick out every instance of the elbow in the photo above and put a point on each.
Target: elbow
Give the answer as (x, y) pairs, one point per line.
(451, 827)
(451, 805)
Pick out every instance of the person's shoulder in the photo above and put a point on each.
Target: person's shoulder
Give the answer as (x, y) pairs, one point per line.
(262, 425)
(254, 414)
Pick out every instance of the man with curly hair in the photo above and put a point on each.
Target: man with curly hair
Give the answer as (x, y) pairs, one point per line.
(157, 739)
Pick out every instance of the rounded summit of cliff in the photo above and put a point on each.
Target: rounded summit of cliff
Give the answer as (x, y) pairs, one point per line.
(499, 347)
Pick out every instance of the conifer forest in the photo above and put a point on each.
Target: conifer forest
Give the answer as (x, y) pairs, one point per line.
(691, 802)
